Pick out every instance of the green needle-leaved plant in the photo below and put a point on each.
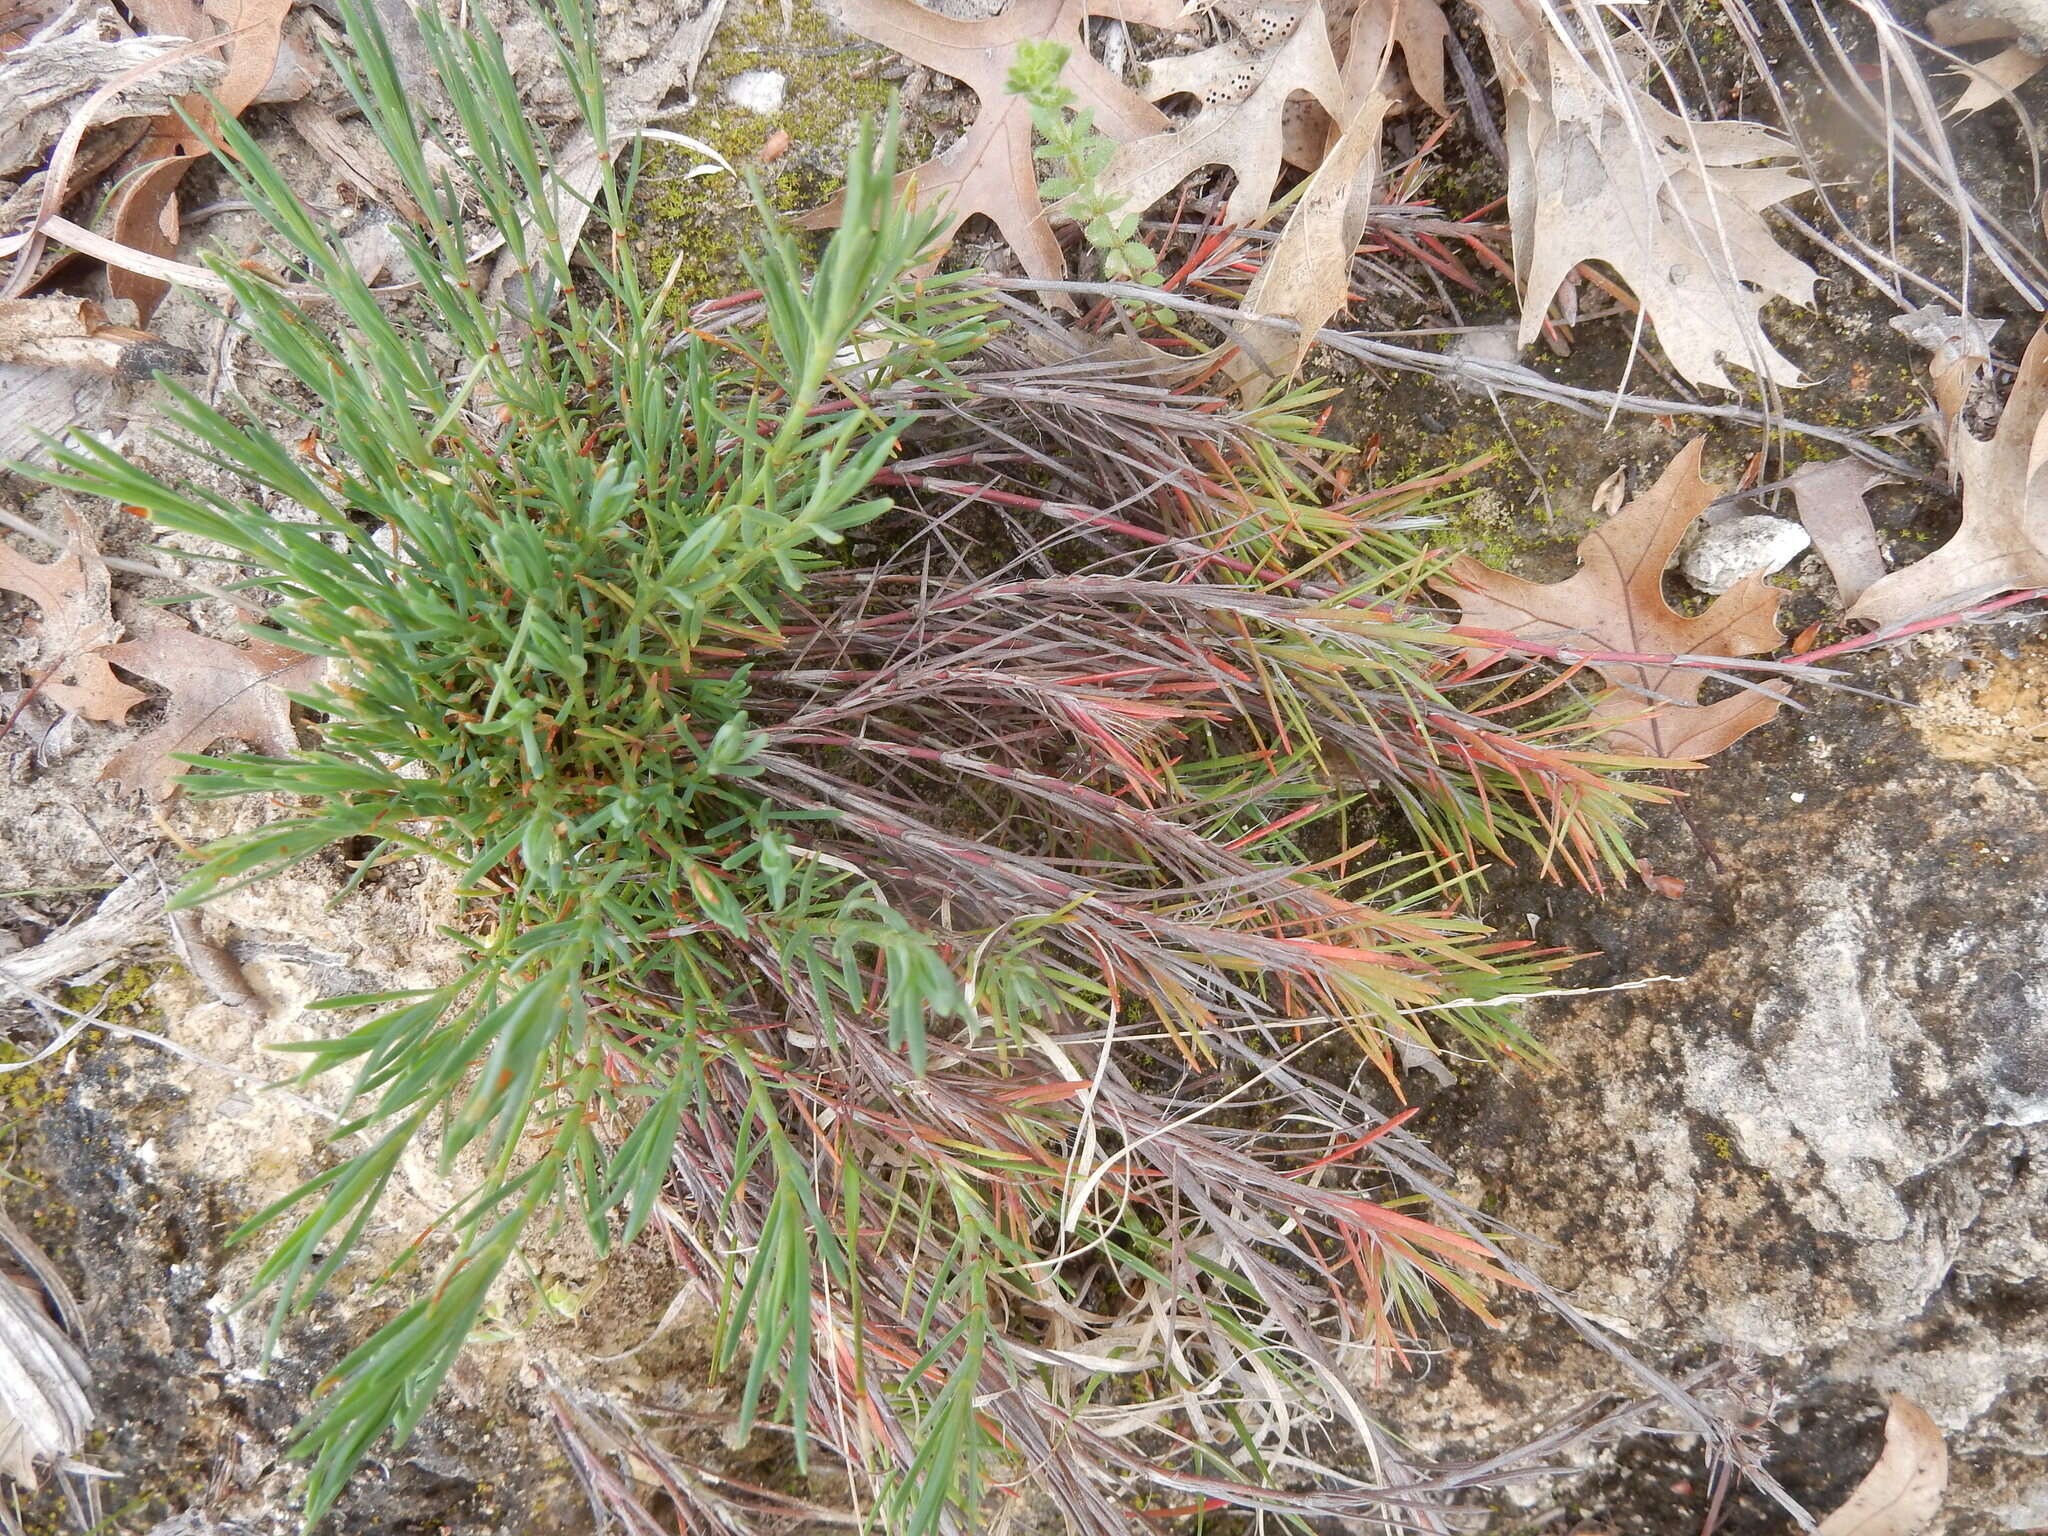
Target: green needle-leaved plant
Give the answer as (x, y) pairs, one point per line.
(920, 814)
(1077, 153)
(518, 575)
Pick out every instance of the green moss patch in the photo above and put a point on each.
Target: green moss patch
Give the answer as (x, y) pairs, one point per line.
(701, 226)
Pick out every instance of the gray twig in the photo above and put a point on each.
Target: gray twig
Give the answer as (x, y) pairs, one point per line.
(1484, 373)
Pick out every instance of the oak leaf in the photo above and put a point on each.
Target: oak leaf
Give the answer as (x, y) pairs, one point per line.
(2002, 545)
(1599, 171)
(1245, 91)
(1416, 27)
(217, 692)
(1903, 1492)
(75, 594)
(1830, 498)
(1616, 603)
(1996, 78)
(144, 212)
(1365, 33)
(992, 169)
(1307, 275)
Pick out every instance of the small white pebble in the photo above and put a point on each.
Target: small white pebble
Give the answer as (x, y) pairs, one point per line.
(1799, 797)
(1729, 551)
(759, 91)
(1491, 344)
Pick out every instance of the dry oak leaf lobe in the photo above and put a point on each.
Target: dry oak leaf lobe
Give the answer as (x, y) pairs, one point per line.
(992, 169)
(144, 213)
(75, 595)
(1830, 498)
(1307, 276)
(1416, 27)
(1616, 603)
(1362, 32)
(1598, 171)
(2002, 545)
(217, 692)
(1903, 1492)
(1243, 123)
(1996, 78)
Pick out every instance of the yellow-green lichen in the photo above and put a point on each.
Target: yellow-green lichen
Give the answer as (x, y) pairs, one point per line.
(120, 997)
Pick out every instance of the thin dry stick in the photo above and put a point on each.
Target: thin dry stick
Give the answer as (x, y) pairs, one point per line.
(1508, 376)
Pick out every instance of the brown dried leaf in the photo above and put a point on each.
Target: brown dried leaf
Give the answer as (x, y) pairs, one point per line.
(1599, 171)
(1830, 500)
(1415, 27)
(217, 691)
(1243, 123)
(1994, 79)
(1616, 603)
(2002, 545)
(66, 332)
(75, 594)
(1307, 276)
(1903, 1492)
(992, 169)
(1365, 34)
(1670, 887)
(145, 210)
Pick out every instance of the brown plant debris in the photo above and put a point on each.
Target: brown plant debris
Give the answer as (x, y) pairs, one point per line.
(1830, 498)
(1961, 22)
(2002, 545)
(1599, 171)
(992, 170)
(217, 692)
(144, 214)
(45, 1411)
(74, 593)
(1616, 603)
(57, 71)
(65, 332)
(1307, 276)
(1245, 87)
(1903, 1492)
(1414, 27)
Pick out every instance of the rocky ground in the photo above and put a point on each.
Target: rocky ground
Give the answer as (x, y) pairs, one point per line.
(1819, 1144)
